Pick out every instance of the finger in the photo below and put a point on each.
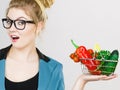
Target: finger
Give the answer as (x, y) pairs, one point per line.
(95, 77)
(109, 77)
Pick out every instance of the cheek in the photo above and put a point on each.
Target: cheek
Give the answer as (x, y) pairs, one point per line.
(29, 34)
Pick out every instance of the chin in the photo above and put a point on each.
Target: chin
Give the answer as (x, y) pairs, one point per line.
(19, 46)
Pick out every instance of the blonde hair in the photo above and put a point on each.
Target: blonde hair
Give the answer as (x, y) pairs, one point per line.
(34, 8)
(46, 3)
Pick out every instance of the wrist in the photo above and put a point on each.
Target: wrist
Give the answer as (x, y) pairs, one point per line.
(80, 83)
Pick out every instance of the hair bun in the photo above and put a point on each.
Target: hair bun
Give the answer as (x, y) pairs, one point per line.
(47, 3)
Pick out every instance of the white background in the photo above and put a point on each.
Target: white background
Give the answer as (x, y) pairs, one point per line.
(87, 22)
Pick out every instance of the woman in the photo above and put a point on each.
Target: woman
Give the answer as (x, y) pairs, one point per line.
(22, 65)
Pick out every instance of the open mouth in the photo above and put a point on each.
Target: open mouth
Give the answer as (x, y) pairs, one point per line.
(14, 38)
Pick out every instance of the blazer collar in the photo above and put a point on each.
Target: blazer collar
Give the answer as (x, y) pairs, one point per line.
(4, 52)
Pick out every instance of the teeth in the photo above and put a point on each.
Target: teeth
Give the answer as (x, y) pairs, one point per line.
(15, 37)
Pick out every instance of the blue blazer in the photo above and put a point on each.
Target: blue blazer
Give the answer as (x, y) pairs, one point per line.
(50, 72)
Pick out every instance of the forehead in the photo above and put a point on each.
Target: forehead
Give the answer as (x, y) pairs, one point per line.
(15, 13)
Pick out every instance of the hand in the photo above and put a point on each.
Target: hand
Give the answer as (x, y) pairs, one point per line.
(88, 77)
(84, 78)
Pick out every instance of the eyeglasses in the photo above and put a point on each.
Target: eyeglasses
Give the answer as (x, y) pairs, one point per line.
(19, 24)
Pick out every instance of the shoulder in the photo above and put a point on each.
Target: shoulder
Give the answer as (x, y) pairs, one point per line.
(4, 51)
(52, 64)
(55, 64)
(51, 73)
(52, 69)
(48, 62)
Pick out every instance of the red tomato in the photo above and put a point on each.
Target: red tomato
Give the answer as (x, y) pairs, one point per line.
(98, 72)
(91, 51)
(97, 62)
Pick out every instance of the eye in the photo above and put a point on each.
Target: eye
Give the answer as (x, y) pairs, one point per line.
(8, 21)
(20, 22)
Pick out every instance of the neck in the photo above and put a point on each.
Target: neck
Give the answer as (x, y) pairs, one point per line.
(23, 54)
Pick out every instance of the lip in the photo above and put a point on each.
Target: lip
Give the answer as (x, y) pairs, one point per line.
(14, 38)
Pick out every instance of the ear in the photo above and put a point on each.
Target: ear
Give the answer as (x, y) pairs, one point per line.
(40, 26)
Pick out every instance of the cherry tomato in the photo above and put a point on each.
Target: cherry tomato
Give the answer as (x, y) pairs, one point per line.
(74, 57)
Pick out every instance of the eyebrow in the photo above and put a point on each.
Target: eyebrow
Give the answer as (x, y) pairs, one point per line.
(18, 18)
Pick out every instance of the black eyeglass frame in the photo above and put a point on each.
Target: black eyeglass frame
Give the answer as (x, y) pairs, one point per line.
(14, 21)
